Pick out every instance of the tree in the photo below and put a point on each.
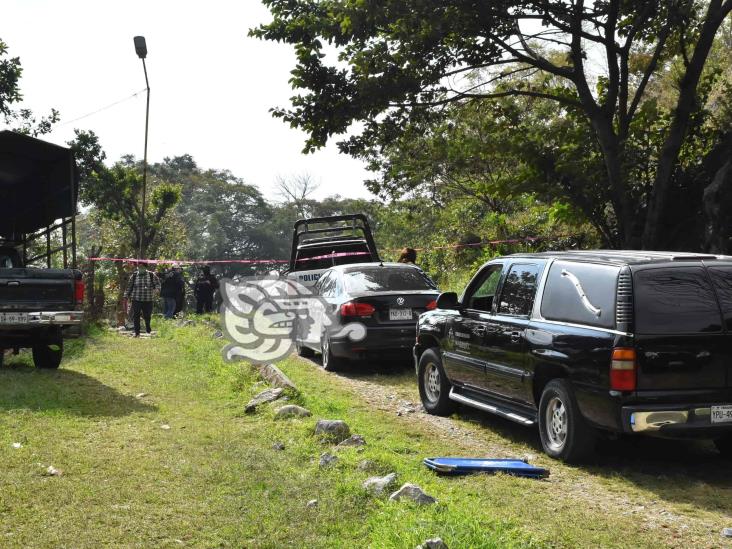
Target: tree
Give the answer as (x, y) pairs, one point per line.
(224, 217)
(392, 63)
(19, 120)
(297, 190)
(115, 192)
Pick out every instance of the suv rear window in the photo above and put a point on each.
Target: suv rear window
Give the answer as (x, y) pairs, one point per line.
(677, 300)
(387, 279)
(566, 285)
(722, 279)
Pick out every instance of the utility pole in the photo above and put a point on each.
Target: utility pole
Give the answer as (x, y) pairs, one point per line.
(141, 50)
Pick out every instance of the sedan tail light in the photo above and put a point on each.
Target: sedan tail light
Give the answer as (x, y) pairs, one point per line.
(353, 308)
(623, 370)
(432, 305)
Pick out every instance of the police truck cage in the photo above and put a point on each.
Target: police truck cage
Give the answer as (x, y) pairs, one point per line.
(38, 197)
(321, 242)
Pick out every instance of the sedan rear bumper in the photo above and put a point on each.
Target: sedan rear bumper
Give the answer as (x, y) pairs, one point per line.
(391, 340)
(682, 421)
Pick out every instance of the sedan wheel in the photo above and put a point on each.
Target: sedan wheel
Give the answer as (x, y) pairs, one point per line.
(330, 363)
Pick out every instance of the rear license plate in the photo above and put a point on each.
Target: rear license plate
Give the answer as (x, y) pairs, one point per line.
(400, 314)
(13, 318)
(722, 414)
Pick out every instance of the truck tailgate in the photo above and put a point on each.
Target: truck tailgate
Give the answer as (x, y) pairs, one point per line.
(36, 289)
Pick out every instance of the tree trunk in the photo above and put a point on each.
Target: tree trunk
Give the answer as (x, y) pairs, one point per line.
(668, 161)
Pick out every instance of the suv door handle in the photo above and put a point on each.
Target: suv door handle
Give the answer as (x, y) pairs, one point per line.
(479, 329)
(515, 337)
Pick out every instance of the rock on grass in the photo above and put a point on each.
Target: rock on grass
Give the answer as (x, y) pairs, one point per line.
(414, 493)
(326, 459)
(377, 485)
(351, 442)
(433, 543)
(291, 410)
(336, 430)
(268, 395)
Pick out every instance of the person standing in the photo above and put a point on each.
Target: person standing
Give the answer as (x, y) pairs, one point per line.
(168, 292)
(141, 290)
(408, 255)
(180, 294)
(204, 290)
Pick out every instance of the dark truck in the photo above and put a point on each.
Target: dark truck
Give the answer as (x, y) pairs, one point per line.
(38, 194)
(582, 344)
(320, 243)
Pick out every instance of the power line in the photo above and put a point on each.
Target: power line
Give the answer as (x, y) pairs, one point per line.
(100, 109)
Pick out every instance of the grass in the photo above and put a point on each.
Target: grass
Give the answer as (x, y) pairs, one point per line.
(214, 480)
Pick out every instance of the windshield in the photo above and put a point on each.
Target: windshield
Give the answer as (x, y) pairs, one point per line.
(387, 279)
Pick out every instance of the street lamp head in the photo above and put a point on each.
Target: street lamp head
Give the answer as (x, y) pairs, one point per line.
(140, 47)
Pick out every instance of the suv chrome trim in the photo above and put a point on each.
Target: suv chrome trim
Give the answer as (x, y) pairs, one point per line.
(653, 421)
(490, 408)
(583, 326)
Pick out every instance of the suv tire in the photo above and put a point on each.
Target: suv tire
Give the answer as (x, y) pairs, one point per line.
(564, 433)
(47, 353)
(331, 363)
(434, 387)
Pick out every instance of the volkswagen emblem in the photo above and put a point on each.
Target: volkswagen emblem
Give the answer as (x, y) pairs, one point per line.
(400, 301)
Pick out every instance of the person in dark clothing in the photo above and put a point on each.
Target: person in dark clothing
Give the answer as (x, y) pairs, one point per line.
(408, 255)
(168, 291)
(180, 295)
(206, 286)
(140, 290)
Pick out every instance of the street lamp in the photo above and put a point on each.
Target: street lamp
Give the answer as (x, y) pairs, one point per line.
(141, 50)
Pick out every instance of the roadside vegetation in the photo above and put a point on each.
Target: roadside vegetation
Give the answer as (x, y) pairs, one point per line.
(214, 479)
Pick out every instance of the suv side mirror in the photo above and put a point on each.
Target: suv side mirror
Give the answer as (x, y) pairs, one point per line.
(447, 300)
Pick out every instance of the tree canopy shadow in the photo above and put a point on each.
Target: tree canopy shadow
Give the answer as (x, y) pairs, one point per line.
(23, 387)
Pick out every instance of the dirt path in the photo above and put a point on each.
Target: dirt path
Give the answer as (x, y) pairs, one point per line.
(682, 492)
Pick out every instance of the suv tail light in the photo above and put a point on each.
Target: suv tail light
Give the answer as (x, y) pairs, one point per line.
(79, 291)
(623, 370)
(432, 305)
(353, 308)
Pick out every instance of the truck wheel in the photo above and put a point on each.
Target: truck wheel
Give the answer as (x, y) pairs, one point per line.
(47, 354)
(564, 433)
(434, 387)
(331, 363)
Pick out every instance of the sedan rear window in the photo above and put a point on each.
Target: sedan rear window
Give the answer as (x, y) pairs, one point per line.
(677, 300)
(386, 279)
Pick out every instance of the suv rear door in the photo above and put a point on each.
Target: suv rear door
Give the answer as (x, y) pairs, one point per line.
(680, 341)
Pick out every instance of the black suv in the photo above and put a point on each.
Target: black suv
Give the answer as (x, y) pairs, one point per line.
(585, 343)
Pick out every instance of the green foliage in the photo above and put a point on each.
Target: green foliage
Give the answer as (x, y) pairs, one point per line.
(472, 97)
(20, 120)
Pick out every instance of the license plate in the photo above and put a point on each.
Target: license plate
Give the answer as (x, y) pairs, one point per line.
(722, 414)
(13, 318)
(400, 314)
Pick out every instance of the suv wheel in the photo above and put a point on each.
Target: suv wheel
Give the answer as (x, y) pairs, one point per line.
(434, 387)
(564, 433)
(48, 352)
(331, 363)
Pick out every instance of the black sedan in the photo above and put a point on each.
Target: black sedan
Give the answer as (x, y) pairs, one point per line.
(365, 310)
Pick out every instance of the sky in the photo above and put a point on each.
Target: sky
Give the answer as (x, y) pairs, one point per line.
(211, 85)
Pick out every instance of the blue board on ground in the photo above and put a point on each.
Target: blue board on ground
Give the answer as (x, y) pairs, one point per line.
(465, 466)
